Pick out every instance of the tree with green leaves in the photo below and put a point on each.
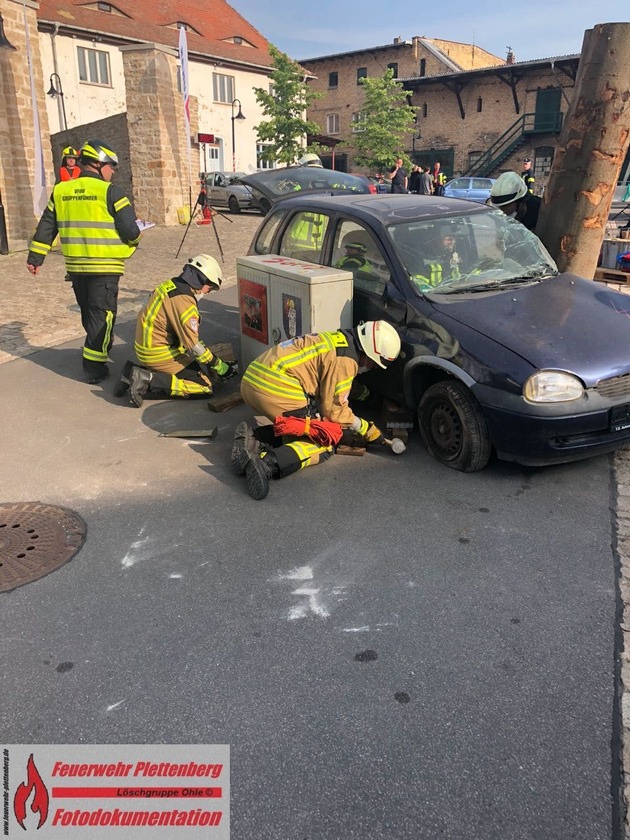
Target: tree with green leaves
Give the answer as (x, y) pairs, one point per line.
(284, 129)
(385, 118)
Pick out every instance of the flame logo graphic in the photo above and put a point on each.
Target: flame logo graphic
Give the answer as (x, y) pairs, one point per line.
(39, 804)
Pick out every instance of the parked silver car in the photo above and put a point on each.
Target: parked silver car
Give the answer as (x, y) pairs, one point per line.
(473, 189)
(224, 189)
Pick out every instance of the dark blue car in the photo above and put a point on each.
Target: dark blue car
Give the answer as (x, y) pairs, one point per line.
(500, 353)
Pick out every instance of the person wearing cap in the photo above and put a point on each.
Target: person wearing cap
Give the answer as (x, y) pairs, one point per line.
(69, 170)
(354, 258)
(527, 175)
(97, 228)
(509, 193)
(174, 361)
(307, 377)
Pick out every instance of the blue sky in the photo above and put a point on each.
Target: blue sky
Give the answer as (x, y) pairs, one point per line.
(536, 29)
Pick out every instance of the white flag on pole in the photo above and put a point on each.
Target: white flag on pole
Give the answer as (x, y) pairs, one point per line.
(183, 63)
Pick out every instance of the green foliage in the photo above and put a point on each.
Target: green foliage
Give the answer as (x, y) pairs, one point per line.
(387, 119)
(285, 127)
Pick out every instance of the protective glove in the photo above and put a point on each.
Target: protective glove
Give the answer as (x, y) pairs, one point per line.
(373, 435)
(351, 438)
(225, 370)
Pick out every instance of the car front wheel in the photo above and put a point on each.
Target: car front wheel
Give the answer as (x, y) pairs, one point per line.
(233, 205)
(453, 427)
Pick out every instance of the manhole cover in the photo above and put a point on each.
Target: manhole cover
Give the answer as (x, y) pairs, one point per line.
(36, 539)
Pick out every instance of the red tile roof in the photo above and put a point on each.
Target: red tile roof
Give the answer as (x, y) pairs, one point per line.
(153, 20)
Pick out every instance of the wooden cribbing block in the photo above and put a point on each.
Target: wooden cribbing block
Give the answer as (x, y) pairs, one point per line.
(350, 450)
(224, 402)
(223, 350)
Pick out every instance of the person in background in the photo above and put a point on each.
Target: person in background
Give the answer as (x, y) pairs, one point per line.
(97, 227)
(439, 179)
(528, 176)
(426, 182)
(398, 177)
(69, 170)
(414, 179)
(510, 194)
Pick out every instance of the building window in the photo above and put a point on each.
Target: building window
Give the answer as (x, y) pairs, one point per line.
(423, 67)
(332, 124)
(394, 68)
(479, 104)
(359, 119)
(333, 79)
(260, 162)
(425, 109)
(542, 161)
(93, 66)
(361, 74)
(104, 7)
(473, 157)
(222, 87)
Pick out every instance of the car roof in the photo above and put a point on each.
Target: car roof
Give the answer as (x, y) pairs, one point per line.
(386, 208)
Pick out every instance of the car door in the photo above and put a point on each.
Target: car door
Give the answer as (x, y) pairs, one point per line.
(372, 293)
(480, 189)
(217, 194)
(458, 188)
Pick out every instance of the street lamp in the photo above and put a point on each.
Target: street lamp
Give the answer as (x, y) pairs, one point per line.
(239, 116)
(57, 91)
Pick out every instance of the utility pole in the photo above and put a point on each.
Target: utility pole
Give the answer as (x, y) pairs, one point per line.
(591, 150)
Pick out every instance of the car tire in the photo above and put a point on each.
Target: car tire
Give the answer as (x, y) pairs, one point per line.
(233, 205)
(453, 427)
(265, 206)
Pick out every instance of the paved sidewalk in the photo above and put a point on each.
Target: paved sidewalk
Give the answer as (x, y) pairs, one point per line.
(42, 312)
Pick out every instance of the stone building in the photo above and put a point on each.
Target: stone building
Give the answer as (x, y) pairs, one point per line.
(114, 71)
(476, 113)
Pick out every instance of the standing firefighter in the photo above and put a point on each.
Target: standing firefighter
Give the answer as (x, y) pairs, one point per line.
(98, 232)
(307, 377)
(175, 361)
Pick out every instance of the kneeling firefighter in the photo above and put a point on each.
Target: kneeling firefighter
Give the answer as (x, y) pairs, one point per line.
(173, 359)
(307, 377)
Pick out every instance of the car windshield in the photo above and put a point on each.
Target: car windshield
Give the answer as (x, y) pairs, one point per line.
(284, 181)
(469, 253)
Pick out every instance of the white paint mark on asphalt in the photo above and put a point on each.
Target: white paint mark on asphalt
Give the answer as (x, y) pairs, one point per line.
(365, 629)
(135, 553)
(175, 576)
(301, 573)
(115, 705)
(56, 451)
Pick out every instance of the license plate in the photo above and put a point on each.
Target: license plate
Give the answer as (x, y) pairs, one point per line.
(620, 418)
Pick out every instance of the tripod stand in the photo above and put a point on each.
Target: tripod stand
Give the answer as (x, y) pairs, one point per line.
(207, 213)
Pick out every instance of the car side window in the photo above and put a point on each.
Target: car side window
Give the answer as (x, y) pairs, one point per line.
(267, 233)
(356, 250)
(459, 184)
(481, 184)
(303, 238)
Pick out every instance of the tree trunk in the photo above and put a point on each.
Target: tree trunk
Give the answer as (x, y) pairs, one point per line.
(591, 151)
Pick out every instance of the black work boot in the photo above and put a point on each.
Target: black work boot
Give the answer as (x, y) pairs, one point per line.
(139, 385)
(97, 374)
(122, 386)
(259, 471)
(244, 444)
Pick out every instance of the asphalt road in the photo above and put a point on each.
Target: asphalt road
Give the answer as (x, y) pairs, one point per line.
(392, 650)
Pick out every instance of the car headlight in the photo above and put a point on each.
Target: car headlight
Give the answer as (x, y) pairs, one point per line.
(549, 386)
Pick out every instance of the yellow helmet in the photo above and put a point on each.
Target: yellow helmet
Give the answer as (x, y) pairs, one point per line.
(69, 152)
(380, 341)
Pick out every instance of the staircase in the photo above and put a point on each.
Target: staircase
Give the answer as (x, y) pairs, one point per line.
(516, 135)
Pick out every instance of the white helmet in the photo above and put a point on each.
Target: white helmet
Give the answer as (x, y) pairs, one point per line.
(209, 267)
(380, 341)
(507, 188)
(310, 160)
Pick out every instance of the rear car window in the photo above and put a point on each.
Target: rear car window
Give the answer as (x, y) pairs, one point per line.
(267, 233)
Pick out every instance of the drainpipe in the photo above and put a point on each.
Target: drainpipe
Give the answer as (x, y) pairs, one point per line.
(53, 42)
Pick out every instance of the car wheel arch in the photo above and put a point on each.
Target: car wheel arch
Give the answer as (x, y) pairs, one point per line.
(425, 370)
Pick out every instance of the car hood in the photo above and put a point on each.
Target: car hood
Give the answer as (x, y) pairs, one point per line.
(564, 323)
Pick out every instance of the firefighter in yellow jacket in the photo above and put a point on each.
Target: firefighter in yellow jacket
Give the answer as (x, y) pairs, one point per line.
(307, 376)
(98, 232)
(173, 360)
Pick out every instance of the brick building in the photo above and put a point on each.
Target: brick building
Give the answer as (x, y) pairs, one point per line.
(117, 67)
(476, 113)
